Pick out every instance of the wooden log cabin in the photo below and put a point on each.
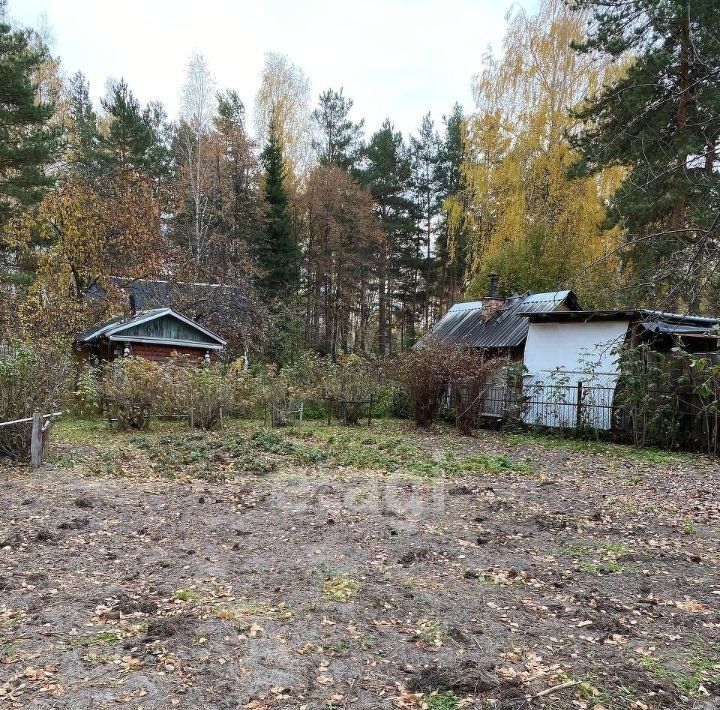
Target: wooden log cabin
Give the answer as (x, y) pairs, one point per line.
(156, 334)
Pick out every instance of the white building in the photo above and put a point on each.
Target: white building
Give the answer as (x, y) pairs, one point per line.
(573, 356)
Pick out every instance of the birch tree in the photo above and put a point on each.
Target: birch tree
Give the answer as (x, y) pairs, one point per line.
(282, 108)
(539, 229)
(197, 109)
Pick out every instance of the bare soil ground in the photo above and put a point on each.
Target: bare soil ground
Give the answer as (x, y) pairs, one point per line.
(326, 567)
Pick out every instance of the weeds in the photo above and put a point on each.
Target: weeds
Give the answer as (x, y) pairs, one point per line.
(432, 633)
(442, 701)
(340, 589)
(607, 559)
(702, 670)
(184, 595)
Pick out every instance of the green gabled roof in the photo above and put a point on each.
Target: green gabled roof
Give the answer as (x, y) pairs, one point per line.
(171, 328)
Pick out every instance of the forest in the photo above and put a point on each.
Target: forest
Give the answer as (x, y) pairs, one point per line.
(589, 162)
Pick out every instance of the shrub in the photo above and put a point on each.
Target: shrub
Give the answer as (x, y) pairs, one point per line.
(313, 380)
(31, 380)
(352, 379)
(425, 375)
(246, 389)
(470, 378)
(131, 390)
(669, 399)
(392, 400)
(203, 392)
(85, 401)
(436, 372)
(299, 381)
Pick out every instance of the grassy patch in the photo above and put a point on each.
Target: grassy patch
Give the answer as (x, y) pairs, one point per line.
(171, 451)
(63, 460)
(593, 446)
(215, 455)
(340, 589)
(102, 638)
(240, 610)
(184, 595)
(602, 560)
(361, 449)
(442, 701)
(701, 669)
(690, 529)
(82, 431)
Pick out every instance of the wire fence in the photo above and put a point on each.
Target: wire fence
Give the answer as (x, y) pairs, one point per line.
(668, 419)
(552, 405)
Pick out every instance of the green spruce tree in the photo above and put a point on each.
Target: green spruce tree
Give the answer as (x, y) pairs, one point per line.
(277, 253)
(660, 121)
(27, 144)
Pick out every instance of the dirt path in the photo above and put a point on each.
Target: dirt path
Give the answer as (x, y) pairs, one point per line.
(325, 584)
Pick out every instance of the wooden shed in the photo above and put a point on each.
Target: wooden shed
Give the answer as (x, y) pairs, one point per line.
(155, 334)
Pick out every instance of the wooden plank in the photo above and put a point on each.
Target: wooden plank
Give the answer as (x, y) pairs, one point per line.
(27, 420)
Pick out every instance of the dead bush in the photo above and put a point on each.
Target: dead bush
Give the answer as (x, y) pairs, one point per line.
(471, 378)
(425, 374)
(32, 379)
(436, 372)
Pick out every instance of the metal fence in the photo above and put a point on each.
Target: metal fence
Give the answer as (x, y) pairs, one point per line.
(562, 406)
(674, 419)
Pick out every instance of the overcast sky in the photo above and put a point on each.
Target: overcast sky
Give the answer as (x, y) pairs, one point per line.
(395, 58)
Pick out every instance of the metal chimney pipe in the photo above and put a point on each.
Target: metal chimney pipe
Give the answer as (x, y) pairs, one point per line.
(133, 307)
(493, 284)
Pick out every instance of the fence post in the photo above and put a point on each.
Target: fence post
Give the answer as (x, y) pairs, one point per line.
(36, 440)
(578, 417)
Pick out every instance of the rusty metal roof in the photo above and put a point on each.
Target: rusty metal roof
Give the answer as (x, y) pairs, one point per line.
(465, 323)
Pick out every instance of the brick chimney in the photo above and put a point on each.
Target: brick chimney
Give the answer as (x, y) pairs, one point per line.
(493, 302)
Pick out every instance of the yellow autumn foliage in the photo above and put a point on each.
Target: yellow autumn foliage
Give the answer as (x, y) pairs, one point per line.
(531, 223)
(79, 238)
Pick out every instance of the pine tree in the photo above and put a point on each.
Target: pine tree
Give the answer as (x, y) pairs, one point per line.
(277, 253)
(386, 174)
(340, 139)
(27, 145)
(83, 153)
(453, 229)
(425, 159)
(660, 121)
(134, 137)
